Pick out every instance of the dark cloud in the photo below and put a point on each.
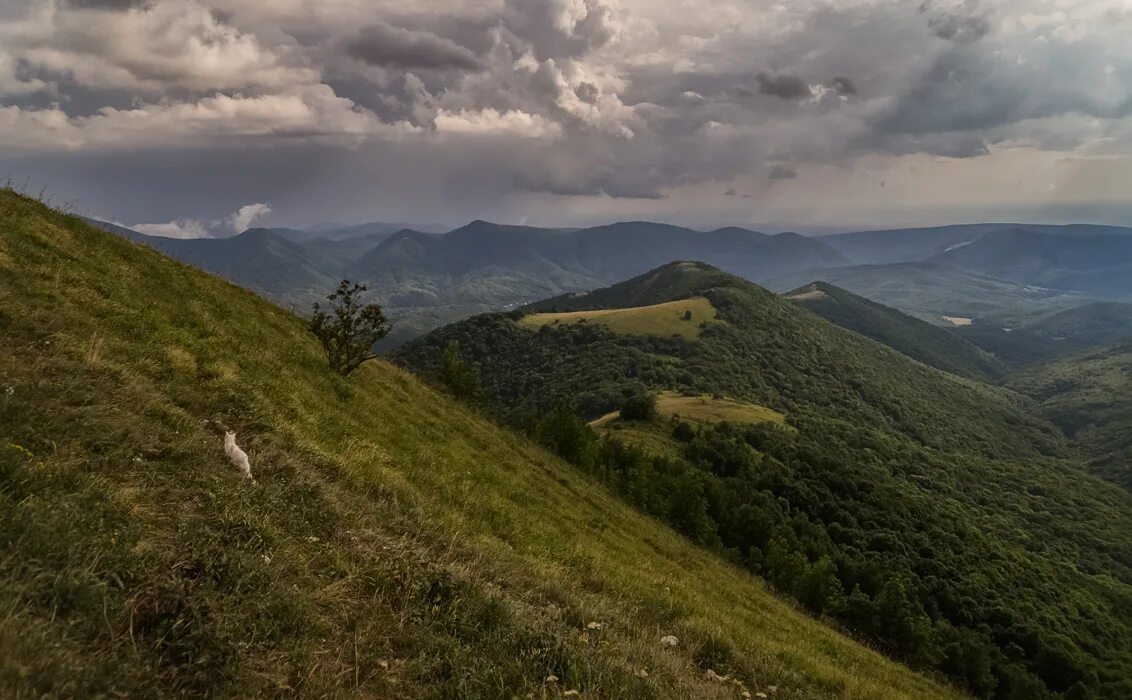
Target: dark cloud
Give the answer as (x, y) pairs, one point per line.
(783, 85)
(587, 92)
(105, 4)
(843, 86)
(395, 47)
(782, 172)
(977, 89)
(965, 27)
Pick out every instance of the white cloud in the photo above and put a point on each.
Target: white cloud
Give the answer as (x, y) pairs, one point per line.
(243, 218)
(179, 228)
(491, 122)
(309, 113)
(149, 48)
(236, 222)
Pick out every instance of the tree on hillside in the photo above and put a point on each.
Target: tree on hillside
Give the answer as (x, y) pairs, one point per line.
(348, 329)
(639, 407)
(461, 378)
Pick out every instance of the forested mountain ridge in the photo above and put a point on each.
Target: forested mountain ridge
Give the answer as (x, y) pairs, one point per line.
(1090, 326)
(393, 544)
(914, 244)
(767, 350)
(1089, 396)
(935, 515)
(910, 336)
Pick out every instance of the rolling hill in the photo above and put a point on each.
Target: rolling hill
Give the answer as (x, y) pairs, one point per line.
(917, 244)
(917, 339)
(1089, 395)
(936, 516)
(934, 292)
(1097, 264)
(394, 544)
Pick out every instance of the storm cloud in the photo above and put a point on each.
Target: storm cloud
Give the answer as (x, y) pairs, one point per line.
(567, 109)
(385, 45)
(787, 87)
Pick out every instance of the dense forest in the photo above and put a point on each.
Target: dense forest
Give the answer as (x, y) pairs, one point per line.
(939, 517)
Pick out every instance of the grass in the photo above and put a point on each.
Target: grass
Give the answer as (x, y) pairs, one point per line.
(706, 409)
(680, 318)
(393, 545)
(655, 437)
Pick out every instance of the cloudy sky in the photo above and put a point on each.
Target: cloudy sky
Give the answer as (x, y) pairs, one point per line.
(200, 117)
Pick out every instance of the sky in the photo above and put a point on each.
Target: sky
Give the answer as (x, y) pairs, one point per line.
(203, 117)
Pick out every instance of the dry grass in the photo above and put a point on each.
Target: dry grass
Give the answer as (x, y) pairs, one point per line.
(706, 409)
(671, 318)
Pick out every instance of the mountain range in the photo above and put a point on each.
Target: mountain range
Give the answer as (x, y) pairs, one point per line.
(1003, 274)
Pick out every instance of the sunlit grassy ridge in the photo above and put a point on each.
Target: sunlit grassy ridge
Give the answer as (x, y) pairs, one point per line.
(655, 436)
(708, 409)
(394, 545)
(680, 318)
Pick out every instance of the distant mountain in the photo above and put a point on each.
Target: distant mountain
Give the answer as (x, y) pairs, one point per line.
(258, 259)
(343, 251)
(914, 244)
(935, 292)
(932, 345)
(1061, 334)
(426, 279)
(371, 230)
(497, 266)
(1098, 264)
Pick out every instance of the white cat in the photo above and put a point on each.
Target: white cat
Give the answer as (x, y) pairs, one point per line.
(238, 457)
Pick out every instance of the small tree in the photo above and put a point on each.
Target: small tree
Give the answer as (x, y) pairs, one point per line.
(347, 329)
(639, 407)
(462, 379)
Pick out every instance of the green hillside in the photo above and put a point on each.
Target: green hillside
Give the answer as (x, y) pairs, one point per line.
(917, 339)
(1061, 334)
(393, 544)
(932, 292)
(1090, 397)
(937, 516)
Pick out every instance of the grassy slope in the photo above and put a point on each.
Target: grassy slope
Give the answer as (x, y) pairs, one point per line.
(393, 545)
(657, 319)
(706, 409)
(655, 436)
